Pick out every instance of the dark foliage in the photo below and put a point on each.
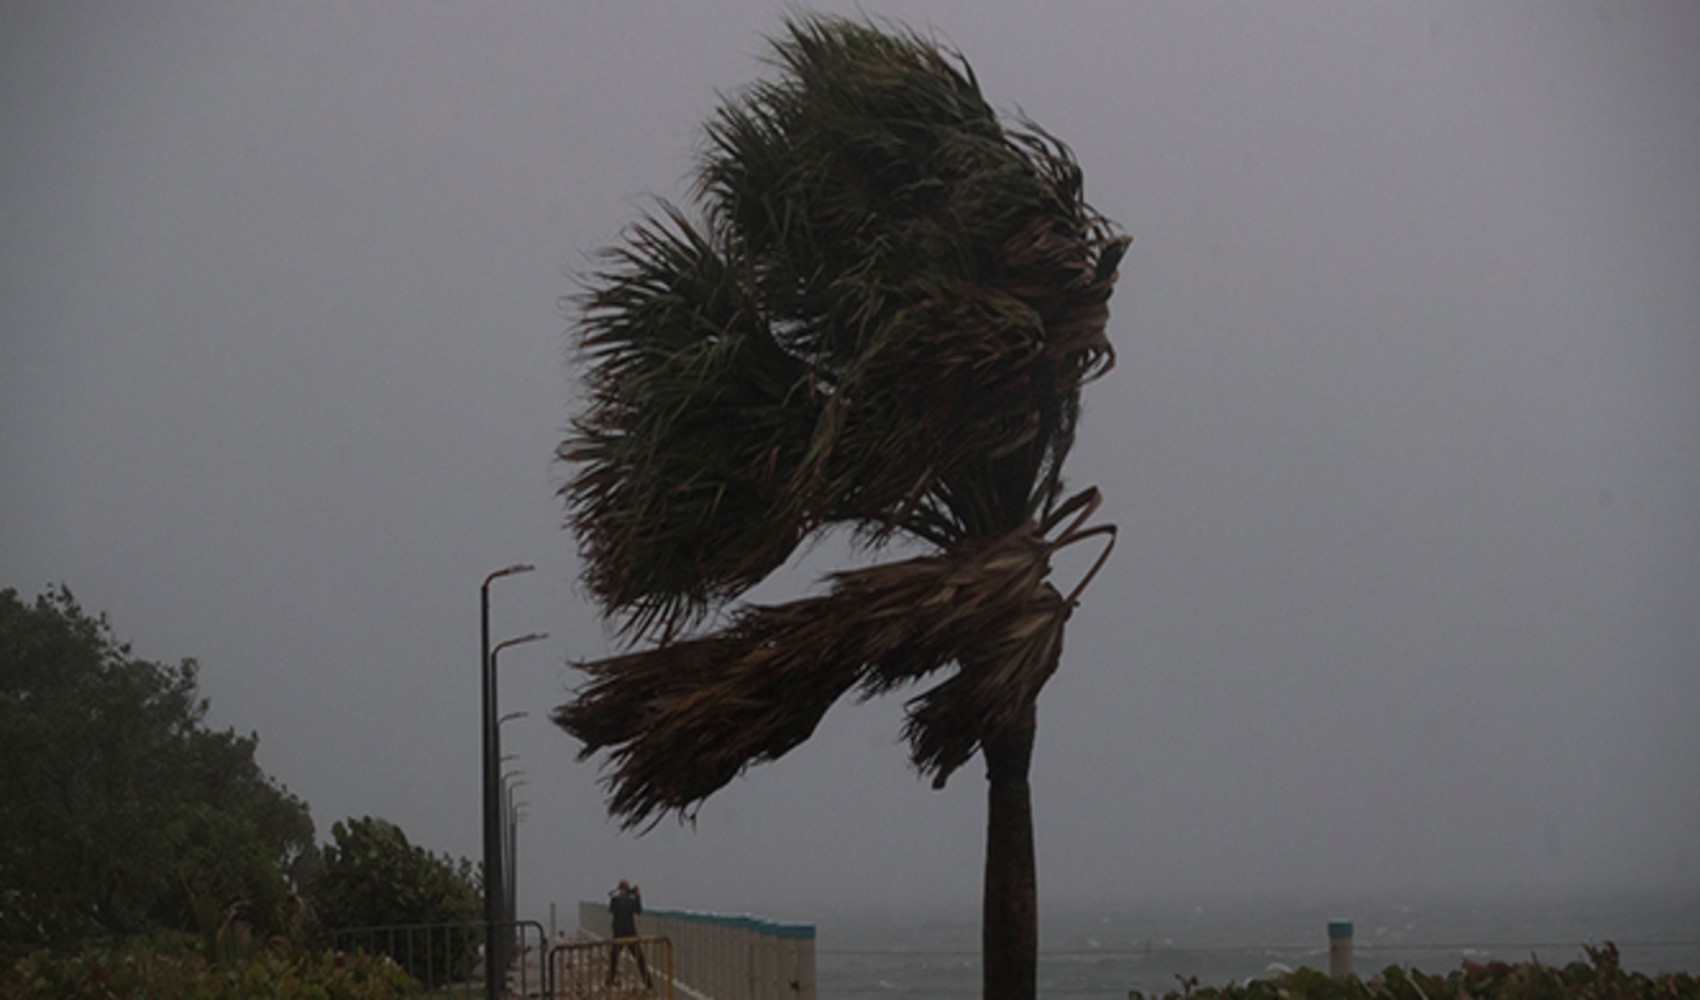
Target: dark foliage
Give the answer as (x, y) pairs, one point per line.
(884, 321)
(1601, 977)
(124, 815)
(374, 877)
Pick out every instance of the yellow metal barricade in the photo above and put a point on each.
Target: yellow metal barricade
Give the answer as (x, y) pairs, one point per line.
(592, 970)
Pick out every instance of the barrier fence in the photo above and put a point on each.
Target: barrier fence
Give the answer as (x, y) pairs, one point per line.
(722, 956)
(448, 958)
(595, 970)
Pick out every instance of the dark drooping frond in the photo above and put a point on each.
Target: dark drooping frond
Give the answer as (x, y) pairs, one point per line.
(882, 316)
(682, 719)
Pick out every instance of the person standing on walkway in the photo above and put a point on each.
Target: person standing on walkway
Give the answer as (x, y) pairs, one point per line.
(625, 903)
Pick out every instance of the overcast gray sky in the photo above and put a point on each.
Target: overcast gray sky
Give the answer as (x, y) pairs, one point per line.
(1404, 441)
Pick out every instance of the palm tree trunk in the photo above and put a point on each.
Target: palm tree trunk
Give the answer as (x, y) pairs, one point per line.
(1009, 930)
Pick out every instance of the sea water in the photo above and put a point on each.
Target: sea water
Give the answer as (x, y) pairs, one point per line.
(1105, 950)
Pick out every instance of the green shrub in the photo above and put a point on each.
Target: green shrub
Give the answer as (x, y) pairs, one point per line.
(373, 877)
(1602, 977)
(102, 974)
(123, 811)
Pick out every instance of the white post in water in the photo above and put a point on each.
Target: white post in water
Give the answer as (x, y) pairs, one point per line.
(1339, 948)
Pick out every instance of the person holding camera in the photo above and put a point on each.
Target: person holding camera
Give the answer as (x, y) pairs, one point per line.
(625, 903)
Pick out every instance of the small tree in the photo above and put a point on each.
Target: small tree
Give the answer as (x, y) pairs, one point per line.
(124, 814)
(372, 876)
(884, 321)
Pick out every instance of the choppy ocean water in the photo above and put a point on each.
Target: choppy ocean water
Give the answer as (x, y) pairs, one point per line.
(1107, 950)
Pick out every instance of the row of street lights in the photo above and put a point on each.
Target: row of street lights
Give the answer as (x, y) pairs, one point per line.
(510, 825)
(501, 812)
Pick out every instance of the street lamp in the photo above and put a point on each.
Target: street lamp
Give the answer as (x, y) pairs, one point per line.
(504, 796)
(503, 758)
(494, 837)
(513, 818)
(492, 844)
(507, 798)
(507, 789)
(509, 867)
(510, 862)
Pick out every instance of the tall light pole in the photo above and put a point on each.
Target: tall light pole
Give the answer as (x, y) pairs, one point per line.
(514, 816)
(509, 866)
(510, 860)
(492, 845)
(504, 720)
(505, 796)
(508, 935)
(494, 841)
(507, 808)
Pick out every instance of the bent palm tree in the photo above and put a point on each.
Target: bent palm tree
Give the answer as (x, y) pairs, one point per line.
(883, 320)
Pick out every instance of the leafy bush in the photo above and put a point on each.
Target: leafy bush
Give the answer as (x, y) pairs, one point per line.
(124, 813)
(1602, 977)
(373, 877)
(103, 974)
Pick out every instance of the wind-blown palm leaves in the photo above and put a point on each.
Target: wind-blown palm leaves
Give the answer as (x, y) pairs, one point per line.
(884, 320)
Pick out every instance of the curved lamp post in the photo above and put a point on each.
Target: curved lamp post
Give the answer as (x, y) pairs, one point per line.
(507, 798)
(510, 866)
(503, 758)
(513, 818)
(494, 838)
(510, 848)
(510, 881)
(492, 844)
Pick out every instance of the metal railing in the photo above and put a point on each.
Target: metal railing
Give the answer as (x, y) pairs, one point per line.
(448, 958)
(724, 955)
(625, 967)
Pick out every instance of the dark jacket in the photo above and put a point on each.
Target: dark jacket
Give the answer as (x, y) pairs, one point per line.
(625, 906)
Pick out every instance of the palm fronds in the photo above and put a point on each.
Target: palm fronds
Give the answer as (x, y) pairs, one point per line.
(680, 455)
(682, 719)
(883, 318)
